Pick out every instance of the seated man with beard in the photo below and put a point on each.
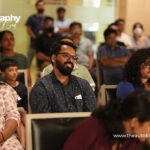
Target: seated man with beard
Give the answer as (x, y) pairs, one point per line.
(60, 91)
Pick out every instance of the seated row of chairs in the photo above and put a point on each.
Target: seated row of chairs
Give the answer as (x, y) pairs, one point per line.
(48, 132)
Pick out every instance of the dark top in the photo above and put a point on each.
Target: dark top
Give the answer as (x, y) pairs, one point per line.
(125, 88)
(22, 92)
(92, 135)
(19, 58)
(36, 25)
(44, 43)
(112, 75)
(49, 95)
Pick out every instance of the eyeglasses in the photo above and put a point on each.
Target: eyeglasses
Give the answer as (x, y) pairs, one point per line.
(68, 56)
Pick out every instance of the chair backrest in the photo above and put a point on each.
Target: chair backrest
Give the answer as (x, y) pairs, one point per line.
(22, 76)
(79, 70)
(106, 93)
(50, 131)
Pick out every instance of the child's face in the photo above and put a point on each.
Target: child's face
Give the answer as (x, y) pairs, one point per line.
(11, 73)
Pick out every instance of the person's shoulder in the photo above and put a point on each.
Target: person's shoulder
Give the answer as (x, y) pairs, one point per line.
(85, 39)
(20, 55)
(32, 16)
(88, 123)
(5, 87)
(80, 80)
(30, 19)
(125, 84)
(125, 35)
(2, 83)
(103, 48)
(22, 85)
(44, 81)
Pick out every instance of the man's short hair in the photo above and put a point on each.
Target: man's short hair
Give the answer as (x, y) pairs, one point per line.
(109, 31)
(48, 18)
(6, 63)
(61, 9)
(39, 1)
(75, 24)
(56, 47)
(119, 20)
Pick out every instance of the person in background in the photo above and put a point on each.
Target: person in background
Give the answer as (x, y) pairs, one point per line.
(136, 74)
(102, 131)
(112, 57)
(62, 23)
(60, 91)
(121, 35)
(10, 118)
(114, 27)
(84, 51)
(34, 26)
(7, 42)
(139, 40)
(44, 42)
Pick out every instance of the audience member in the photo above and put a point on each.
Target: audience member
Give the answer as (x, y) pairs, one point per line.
(59, 91)
(7, 43)
(137, 74)
(122, 37)
(112, 57)
(84, 50)
(117, 126)
(78, 70)
(10, 119)
(34, 26)
(62, 23)
(114, 26)
(139, 40)
(44, 42)
(9, 69)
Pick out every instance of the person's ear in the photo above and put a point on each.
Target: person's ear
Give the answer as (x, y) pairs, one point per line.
(134, 123)
(2, 74)
(53, 58)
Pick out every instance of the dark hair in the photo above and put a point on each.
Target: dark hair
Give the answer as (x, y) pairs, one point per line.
(132, 70)
(48, 18)
(56, 47)
(39, 1)
(2, 33)
(138, 24)
(112, 24)
(75, 24)
(6, 63)
(119, 20)
(61, 9)
(136, 104)
(109, 31)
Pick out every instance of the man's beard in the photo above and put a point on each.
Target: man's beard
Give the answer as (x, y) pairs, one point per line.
(64, 69)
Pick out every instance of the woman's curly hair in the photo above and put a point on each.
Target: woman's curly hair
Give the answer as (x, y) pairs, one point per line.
(132, 70)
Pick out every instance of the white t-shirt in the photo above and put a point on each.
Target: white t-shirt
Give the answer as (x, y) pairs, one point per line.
(61, 23)
(125, 39)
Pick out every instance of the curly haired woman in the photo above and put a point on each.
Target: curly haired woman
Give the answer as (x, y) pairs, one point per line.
(137, 74)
